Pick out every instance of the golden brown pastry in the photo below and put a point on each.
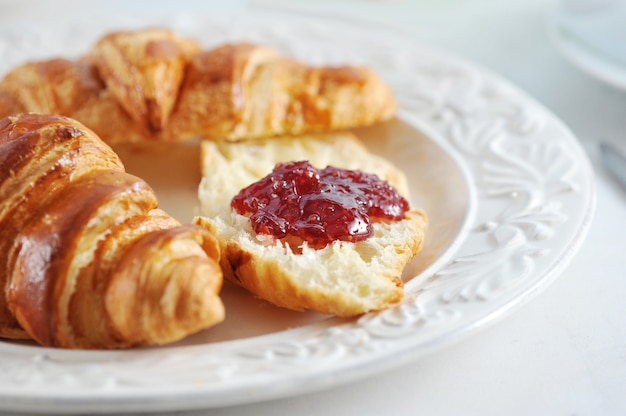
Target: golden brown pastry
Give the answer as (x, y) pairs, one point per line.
(56, 85)
(144, 71)
(70, 88)
(155, 85)
(89, 261)
(243, 91)
(9, 103)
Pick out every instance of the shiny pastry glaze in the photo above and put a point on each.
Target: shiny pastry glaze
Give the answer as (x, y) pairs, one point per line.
(85, 249)
(318, 206)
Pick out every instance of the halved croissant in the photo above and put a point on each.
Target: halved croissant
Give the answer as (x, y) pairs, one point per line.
(342, 278)
(155, 85)
(88, 260)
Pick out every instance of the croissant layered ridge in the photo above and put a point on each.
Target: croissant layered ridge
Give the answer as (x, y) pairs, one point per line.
(89, 260)
(153, 84)
(144, 71)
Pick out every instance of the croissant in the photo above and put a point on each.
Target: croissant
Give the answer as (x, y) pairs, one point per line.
(89, 261)
(155, 85)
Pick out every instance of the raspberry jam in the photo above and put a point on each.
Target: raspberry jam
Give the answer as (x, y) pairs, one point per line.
(318, 206)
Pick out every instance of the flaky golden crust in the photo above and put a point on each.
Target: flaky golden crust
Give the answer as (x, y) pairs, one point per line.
(144, 71)
(53, 86)
(69, 88)
(212, 100)
(9, 103)
(155, 85)
(244, 91)
(71, 220)
(27, 187)
(147, 304)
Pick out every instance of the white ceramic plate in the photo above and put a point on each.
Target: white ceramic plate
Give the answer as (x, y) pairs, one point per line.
(508, 190)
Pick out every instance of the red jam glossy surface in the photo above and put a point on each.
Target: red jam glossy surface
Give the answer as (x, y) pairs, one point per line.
(318, 205)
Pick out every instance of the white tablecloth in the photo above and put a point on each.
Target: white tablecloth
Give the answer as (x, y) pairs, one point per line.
(563, 353)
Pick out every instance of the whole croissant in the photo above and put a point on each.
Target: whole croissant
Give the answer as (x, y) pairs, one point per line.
(155, 85)
(88, 260)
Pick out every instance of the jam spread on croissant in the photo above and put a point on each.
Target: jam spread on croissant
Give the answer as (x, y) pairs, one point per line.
(318, 206)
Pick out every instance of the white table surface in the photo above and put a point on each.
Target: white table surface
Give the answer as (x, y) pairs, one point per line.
(564, 352)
